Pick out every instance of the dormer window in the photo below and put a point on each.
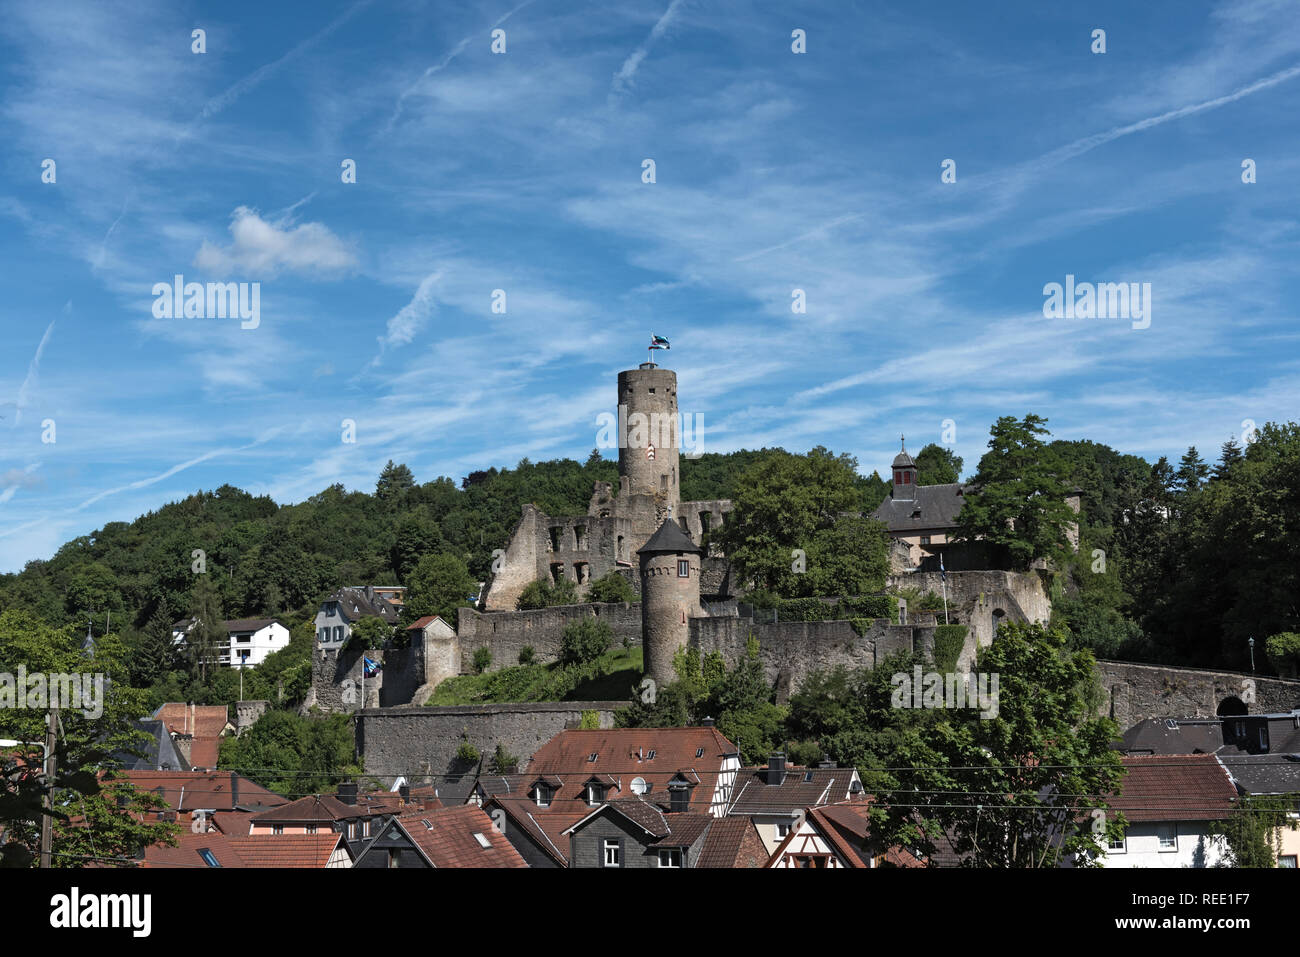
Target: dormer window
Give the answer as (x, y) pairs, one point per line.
(679, 797)
(595, 794)
(543, 793)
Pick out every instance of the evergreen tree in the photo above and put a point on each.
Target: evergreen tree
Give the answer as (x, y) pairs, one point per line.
(936, 465)
(395, 481)
(1230, 454)
(155, 653)
(1192, 472)
(1018, 499)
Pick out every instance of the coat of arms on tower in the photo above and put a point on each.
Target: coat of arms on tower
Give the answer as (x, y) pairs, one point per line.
(650, 453)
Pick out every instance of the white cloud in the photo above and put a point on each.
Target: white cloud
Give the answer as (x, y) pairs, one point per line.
(265, 248)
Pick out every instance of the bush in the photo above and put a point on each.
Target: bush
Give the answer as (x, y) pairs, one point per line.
(590, 721)
(1284, 650)
(948, 642)
(467, 753)
(482, 660)
(503, 762)
(585, 640)
(543, 594)
(526, 655)
(611, 587)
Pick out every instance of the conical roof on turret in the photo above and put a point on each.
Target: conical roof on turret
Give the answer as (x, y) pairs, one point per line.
(669, 538)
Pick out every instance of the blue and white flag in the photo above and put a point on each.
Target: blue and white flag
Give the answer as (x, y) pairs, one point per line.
(943, 575)
(371, 668)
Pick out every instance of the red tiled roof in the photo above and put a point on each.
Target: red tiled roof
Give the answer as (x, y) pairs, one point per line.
(204, 752)
(451, 841)
(1174, 787)
(312, 809)
(546, 826)
(732, 842)
(186, 853)
(187, 790)
(419, 623)
(623, 754)
(258, 850)
(286, 850)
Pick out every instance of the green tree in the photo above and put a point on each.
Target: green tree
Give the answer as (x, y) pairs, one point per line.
(294, 755)
(1040, 767)
(937, 465)
(503, 762)
(1018, 495)
(544, 594)
(611, 587)
(585, 640)
(208, 636)
(787, 504)
(369, 633)
(1253, 832)
(395, 482)
(155, 651)
(438, 585)
(87, 819)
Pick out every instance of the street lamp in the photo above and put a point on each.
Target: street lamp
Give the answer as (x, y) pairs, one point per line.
(1251, 642)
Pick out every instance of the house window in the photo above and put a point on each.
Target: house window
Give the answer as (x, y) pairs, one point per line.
(925, 539)
(311, 828)
(613, 853)
(393, 856)
(810, 860)
(1117, 845)
(1287, 860)
(1263, 739)
(683, 568)
(594, 794)
(365, 828)
(210, 859)
(277, 828)
(782, 830)
(671, 857)
(352, 831)
(543, 795)
(1168, 835)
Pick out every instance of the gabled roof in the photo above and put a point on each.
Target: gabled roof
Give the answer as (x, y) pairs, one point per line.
(248, 624)
(800, 788)
(354, 604)
(935, 506)
(287, 850)
(1264, 773)
(312, 809)
(419, 623)
(453, 840)
(1182, 787)
(548, 827)
(193, 790)
(1174, 736)
(273, 851)
(669, 538)
(732, 842)
(157, 752)
(657, 756)
(640, 812)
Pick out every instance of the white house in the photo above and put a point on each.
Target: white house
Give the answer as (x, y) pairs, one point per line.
(1170, 802)
(251, 640)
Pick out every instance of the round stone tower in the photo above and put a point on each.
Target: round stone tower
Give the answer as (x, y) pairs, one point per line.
(670, 597)
(647, 454)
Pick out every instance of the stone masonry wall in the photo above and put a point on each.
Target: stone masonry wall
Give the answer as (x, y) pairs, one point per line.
(504, 633)
(423, 741)
(1134, 692)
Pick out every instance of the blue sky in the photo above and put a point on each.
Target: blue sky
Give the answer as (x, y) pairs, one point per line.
(522, 171)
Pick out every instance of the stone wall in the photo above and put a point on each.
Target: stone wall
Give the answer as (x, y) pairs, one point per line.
(983, 600)
(504, 633)
(416, 742)
(1134, 692)
(792, 650)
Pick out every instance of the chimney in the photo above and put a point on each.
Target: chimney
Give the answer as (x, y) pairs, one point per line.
(827, 764)
(348, 792)
(405, 792)
(234, 790)
(707, 723)
(775, 768)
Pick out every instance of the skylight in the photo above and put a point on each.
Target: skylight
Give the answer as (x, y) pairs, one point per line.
(592, 757)
(483, 841)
